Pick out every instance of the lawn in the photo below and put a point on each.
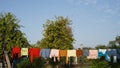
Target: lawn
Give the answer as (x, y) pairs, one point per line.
(86, 67)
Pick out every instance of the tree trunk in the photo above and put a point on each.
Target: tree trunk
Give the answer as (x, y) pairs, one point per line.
(7, 59)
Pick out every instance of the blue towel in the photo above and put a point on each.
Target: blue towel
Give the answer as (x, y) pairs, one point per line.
(45, 53)
(118, 53)
(85, 52)
(111, 52)
(101, 52)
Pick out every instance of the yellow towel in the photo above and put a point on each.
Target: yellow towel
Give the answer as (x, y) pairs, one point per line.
(71, 53)
(24, 51)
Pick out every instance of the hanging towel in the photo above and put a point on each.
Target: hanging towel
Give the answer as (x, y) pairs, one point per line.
(24, 51)
(15, 51)
(112, 53)
(93, 54)
(79, 53)
(63, 53)
(118, 53)
(101, 52)
(54, 53)
(34, 52)
(72, 53)
(45, 53)
(85, 52)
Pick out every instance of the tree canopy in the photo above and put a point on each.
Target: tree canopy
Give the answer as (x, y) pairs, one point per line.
(10, 33)
(101, 47)
(115, 43)
(57, 34)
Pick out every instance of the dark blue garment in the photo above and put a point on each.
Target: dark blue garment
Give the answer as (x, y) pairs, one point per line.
(15, 61)
(45, 53)
(85, 52)
(118, 53)
(111, 52)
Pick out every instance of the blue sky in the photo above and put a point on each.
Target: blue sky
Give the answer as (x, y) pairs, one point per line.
(93, 21)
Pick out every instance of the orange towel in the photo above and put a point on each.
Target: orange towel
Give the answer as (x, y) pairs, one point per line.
(63, 53)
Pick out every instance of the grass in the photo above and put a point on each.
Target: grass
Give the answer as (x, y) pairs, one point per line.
(86, 67)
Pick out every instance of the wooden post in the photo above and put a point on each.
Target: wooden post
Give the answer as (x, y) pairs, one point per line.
(7, 59)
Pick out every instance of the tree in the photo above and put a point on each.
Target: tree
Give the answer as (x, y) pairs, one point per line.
(112, 44)
(101, 47)
(10, 33)
(57, 34)
(117, 41)
(38, 63)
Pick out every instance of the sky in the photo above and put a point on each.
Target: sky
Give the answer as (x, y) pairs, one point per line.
(94, 22)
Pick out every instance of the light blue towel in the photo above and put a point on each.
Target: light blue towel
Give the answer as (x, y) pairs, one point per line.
(85, 52)
(45, 53)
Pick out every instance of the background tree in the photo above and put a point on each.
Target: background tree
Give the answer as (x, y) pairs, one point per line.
(57, 34)
(112, 44)
(101, 47)
(117, 41)
(10, 33)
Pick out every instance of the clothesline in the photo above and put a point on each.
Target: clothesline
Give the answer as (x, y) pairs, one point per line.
(49, 53)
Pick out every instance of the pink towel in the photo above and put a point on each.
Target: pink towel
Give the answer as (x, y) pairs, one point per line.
(93, 54)
(54, 53)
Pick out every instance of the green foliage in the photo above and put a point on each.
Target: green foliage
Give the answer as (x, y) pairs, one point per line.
(10, 33)
(101, 47)
(100, 64)
(112, 44)
(117, 39)
(38, 63)
(115, 43)
(57, 34)
(114, 65)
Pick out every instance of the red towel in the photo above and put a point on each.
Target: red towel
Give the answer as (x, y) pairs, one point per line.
(34, 53)
(15, 50)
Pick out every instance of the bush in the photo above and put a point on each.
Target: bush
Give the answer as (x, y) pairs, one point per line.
(100, 64)
(53, 63)
(38, 63)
